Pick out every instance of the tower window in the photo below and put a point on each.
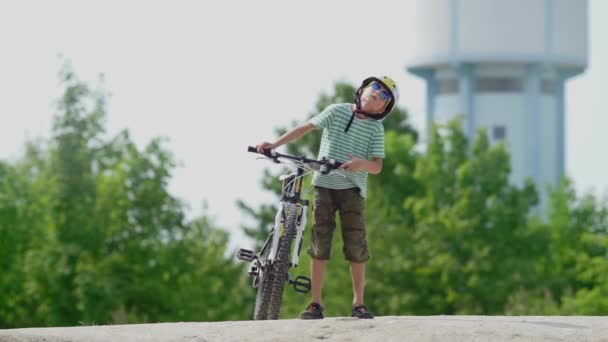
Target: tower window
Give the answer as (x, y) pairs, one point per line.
(499, 133)
(498, 84)
(447, 87)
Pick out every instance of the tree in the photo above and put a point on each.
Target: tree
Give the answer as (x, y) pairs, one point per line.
(460, 249)
(572, 278)
(91, 234)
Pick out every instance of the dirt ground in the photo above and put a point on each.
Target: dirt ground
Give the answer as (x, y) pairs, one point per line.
(383, 329)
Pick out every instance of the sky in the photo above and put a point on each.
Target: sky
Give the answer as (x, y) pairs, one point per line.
(214, 77)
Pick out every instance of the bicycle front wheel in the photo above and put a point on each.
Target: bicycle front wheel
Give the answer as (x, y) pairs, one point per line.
(266, 280)
(280, 267)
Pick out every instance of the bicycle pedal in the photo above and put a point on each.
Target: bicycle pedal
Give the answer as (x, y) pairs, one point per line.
(301, 284)
(245, 255)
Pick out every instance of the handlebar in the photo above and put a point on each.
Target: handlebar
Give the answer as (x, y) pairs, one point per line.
(324, 165)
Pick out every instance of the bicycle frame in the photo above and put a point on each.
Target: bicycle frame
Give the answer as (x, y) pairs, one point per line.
(270, 269)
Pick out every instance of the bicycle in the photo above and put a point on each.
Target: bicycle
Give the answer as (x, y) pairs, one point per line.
(271, 264)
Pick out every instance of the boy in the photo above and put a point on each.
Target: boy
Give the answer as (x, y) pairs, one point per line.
(352, 133)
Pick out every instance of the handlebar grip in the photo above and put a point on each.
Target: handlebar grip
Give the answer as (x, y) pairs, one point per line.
(267, 153)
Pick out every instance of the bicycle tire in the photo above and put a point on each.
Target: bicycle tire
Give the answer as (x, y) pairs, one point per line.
(281, 265)
(262, 299)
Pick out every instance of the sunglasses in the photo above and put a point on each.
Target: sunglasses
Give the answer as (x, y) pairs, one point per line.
(385, 95)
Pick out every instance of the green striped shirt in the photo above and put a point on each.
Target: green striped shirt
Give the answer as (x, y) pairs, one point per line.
(364, 139)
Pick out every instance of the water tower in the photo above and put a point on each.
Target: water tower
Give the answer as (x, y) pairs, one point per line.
(502, 65)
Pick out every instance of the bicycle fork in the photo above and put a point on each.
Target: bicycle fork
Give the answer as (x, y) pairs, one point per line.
(300, 227)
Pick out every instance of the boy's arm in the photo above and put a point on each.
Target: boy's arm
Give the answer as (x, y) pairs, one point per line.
(356, 164)
(375, 165)
(289, 136)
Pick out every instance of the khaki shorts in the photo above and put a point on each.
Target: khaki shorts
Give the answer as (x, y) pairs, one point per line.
(350, 205)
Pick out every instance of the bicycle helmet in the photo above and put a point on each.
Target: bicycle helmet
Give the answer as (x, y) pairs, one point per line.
(387, 83)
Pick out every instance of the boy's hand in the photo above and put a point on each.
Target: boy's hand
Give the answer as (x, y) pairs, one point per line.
(355, 164)
(264, 146)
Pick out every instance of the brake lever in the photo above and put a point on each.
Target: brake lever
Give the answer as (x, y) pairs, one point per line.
(328, 165)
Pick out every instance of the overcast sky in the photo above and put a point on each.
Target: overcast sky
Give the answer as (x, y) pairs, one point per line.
(215, 77)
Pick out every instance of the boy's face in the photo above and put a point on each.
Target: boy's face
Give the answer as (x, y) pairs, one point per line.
(374, 98)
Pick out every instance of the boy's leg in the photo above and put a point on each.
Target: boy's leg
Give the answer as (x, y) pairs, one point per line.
(324, 223)
(357, 270)
(351, 209)
(317, 270)
(315, 309)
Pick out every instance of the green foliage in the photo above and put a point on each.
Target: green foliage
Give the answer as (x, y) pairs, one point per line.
(575, 264)
(89, 233)
(460, 253)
